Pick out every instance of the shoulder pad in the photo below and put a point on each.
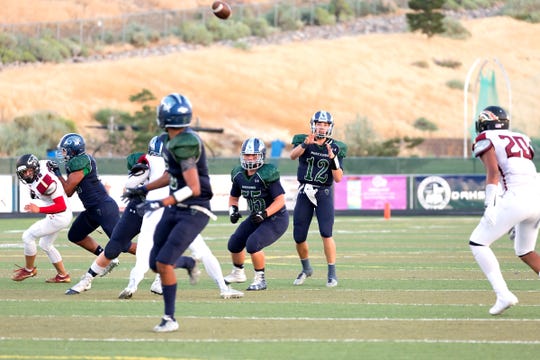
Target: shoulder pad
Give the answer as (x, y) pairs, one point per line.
(342, 148)
(481, 147)
(51, 188)
(133, 158)
(184, 146)
(79, 163)
(298, 139)
(235, 171)
(269, 173)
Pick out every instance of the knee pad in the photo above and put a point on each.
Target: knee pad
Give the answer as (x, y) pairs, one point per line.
(113, 249)
(29, 242)
(52, 252)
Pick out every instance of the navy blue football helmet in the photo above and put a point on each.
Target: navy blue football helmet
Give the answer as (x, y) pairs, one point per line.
(492, 118)
(70, 146)
(154, 146)
(174, 111)
(325, 117)
(25, 163)
(253, 146)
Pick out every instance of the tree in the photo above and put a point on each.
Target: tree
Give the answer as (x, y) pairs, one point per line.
(427, 16)
(361, 140)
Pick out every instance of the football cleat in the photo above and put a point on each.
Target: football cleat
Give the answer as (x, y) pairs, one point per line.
(127, 293)
(194, 274)
(167, 324)
(83, 285)
(332, 282)
(59, 279)
(259, 283)
(231, 293)
(237, 275)
(503, 303)
(21, 273)
(114, 263)
(156, 286)
(302, 277)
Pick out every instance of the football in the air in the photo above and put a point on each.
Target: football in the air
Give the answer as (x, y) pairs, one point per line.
(221, 9)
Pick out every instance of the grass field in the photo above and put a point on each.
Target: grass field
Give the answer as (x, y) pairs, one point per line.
(408, 289)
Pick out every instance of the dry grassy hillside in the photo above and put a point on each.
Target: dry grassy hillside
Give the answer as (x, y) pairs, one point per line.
(271, 91)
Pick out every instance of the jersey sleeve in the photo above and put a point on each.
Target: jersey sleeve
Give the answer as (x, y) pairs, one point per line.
(81, 162)
(269, 173)
(342, 149)
(481, 145)
(184, 146)
(236, 171)
(298, 139)
(133, 158)
(235, 187)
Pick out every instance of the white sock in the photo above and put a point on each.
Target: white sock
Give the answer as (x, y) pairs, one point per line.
(489, 264)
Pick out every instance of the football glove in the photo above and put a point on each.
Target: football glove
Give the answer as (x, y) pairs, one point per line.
(138, 169)
(258, 217)
(53, 167)
(149, 206)
(133, 193)
(234, 214)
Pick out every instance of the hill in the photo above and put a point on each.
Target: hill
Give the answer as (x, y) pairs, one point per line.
(271, 90)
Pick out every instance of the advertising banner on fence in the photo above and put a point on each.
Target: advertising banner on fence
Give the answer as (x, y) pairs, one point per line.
(6, 196)
(371, 192)
(449, 192)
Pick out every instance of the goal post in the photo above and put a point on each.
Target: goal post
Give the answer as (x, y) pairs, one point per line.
(479, 91)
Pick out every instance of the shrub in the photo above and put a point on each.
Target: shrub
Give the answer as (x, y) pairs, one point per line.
(424, 124)
(196, 33)
(454, 64)
(526, 10)
(421, 64)
(454, 30)
(260, 27)
(323, 17)
(455, 84)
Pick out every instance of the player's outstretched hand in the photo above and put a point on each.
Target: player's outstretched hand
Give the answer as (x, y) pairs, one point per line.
(149, 206)
(258, 217)
(53, 167)
(132, 193)
(138, 169)
(234, 214)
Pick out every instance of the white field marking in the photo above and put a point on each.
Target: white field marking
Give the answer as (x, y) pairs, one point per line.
(297, 318)
(289, 340)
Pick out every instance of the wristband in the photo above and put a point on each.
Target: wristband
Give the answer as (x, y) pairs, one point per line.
(182, 194)
(303, 145)
(334, 163)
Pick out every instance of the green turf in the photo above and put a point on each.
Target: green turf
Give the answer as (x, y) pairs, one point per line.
(408, 289)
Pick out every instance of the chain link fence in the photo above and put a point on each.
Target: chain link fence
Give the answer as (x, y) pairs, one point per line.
(108, 30)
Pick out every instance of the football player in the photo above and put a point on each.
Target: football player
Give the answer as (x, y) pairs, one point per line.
(507, 157)
(260, 185)
(48, 198)
(149, 167)
(82, 177)
(319, 164)
(187, 207)
(132, 223)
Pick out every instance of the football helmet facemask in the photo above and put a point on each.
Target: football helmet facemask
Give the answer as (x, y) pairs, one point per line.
(154, 146)
(25, 163)
(252, 146)
(321, 116)
(70, 146)
(174, 111)
(492, 118)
